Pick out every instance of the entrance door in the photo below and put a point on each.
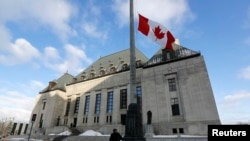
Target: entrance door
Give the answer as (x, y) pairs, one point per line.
(75, 122)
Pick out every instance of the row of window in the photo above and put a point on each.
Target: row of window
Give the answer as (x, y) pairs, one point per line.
(96, 119)
(123, 101)
(109, 104)
(178, 131)
(108, 119)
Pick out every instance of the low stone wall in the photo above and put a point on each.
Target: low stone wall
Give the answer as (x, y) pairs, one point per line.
(177, 139)
(106, 138)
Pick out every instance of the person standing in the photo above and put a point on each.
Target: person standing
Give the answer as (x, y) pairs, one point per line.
(115, 136)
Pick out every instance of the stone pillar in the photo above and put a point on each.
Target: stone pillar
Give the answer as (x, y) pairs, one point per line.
(149, 131)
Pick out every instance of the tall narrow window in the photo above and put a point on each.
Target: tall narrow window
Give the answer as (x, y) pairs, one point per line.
(20, 128)
(172, 84)
(123, 99)
(123, 119)
(138, 91)
(98, 104)
(26, 127)
(110, 102)
(14, 128)
(65, 121)
(41, 121)
(181, 130)
(86, 107)
(174, 130)
(67, 107)
(77, 105)
(175, 106)
(139, 94)
(44, 104)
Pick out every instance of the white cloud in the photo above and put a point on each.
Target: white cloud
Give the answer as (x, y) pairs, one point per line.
(245, 73)
(18, 101)
(241, 95)
(32, 88)
(16, 105)
(75, 52)
(92, 22)
(5, 37)
(235, 104)
(92, 30)
(19, 52)
(55, 14)
(175, 12)
(74, 61)
(51, 54)
(121, 9)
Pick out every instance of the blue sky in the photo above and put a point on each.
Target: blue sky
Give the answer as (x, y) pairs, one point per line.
(42, 39)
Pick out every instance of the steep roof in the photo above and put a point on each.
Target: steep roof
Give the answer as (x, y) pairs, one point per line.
(118, 62)
(166, 56)
(112, 63)
(59, 84)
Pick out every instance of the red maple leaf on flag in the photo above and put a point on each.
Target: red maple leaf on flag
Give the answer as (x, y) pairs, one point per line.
(158, 33)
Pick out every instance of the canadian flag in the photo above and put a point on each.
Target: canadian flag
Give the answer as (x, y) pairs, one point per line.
(156, 32)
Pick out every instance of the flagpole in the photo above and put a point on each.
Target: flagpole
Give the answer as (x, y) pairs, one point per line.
(133, 127)
(132, 56)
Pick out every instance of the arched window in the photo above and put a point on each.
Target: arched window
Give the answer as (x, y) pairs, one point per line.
(138, 63)
(92, 75)
(83, 77)
(125, 67)
(112, 70)
(102, 73)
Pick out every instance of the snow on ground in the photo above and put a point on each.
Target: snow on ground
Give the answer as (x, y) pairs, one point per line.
(92, 133)
(66, 133)
(174, 136)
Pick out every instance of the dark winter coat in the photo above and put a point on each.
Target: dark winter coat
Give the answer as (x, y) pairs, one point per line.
(115, 136)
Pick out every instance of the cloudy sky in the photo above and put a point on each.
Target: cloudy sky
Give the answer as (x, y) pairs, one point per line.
(40, 40)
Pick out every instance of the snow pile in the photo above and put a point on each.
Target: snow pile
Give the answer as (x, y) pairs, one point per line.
(65, 133)
(91, 133)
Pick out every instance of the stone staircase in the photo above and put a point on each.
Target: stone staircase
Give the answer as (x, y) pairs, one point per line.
(75, 131)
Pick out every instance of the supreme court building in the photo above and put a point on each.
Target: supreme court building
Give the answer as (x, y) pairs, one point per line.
(173, 85)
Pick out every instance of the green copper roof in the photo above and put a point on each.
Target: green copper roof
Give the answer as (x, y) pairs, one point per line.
(59, 84)
(109, 64)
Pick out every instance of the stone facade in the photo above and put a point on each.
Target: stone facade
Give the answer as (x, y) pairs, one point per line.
(175, 87)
